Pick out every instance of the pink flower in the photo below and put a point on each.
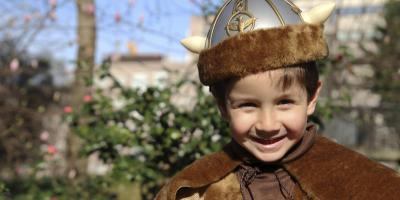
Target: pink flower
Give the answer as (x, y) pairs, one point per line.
(132, 2)
(87, 98)
(44, 136)
(68, 109)
(339, 57)
(53, 3)
(117, 17)
(18, 170)
(141, 20)
(51, 149)
(89, 8)
(14, 65)
(53, 15)
(27, 18)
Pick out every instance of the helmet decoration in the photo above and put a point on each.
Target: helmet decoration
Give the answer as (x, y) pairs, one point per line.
(251, 36)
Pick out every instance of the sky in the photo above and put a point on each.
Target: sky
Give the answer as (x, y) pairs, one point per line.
(154, 26)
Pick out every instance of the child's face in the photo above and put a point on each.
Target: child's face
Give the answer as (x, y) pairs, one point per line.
(264, 119)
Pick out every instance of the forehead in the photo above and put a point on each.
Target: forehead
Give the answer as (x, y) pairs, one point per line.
(270, 82)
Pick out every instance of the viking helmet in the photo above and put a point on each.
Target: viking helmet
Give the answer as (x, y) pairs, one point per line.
(250, 36)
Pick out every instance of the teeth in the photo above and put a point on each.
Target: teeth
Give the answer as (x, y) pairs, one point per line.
(268, 141)
(272, 139)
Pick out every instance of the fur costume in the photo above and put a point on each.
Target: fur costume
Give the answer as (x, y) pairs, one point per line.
(244, 39)
(326, 171)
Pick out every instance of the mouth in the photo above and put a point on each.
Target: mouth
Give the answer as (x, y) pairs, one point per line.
(270, 141)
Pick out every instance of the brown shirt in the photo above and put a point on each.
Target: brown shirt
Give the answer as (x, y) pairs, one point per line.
(270, 181)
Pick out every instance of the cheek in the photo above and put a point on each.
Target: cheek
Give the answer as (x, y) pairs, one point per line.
(241, 123)
(295, 123)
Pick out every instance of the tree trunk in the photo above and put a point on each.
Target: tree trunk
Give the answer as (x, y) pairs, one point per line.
(86, 36)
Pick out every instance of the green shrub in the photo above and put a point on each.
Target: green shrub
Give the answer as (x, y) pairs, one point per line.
(149, 138)
(52, 188)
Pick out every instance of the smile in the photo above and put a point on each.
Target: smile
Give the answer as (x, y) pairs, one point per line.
(268, 142)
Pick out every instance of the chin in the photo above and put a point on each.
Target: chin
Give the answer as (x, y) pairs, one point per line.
(271, 157)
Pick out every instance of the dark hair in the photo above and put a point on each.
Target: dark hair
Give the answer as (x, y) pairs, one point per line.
(304, 74)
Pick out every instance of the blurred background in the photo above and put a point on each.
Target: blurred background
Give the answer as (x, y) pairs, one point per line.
(98, 100)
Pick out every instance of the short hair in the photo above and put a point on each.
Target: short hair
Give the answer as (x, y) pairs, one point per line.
(306, 75)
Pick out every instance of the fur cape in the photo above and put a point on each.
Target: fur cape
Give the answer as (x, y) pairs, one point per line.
(261, 50)
(326, 171)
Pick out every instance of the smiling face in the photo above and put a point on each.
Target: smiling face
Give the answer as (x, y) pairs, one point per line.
(264, 118)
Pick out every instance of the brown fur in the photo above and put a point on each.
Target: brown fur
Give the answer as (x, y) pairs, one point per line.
(228, 189)
(262, 50)
(331, 171)
(210, 169)
(326, 171)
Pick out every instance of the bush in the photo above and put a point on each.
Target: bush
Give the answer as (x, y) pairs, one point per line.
(59, 189)
(147, 138)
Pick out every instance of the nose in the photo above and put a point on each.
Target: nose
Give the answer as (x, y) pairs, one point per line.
(267, 123)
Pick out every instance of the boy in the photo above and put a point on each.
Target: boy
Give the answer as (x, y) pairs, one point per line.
(259, 62)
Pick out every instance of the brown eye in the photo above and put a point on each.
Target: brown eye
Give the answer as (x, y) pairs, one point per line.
(285, 102)
(245, 105)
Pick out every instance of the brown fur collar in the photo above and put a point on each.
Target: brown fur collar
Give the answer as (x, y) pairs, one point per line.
(205, 171)
(326, 171)
(331, 171)
(262, 50)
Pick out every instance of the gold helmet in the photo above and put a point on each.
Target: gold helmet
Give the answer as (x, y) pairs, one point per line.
(250, 36)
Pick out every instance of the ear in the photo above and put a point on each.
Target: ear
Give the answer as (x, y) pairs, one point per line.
(313, 101)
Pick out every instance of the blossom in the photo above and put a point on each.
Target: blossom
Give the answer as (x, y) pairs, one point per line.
(117, 17)
(89, 8)
(18, 170)
(14, 65)
(53, 3)
(141, 20)
(51, 149)
(132, 2)
(68, 109)
(87, 98)
(53, 15)
(44, 136)
(27, 18)
(339, 57)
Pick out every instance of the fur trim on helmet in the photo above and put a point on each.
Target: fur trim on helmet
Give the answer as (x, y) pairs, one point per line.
(261, 50)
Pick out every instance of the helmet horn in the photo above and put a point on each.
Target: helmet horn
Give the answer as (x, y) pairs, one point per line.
(318, 14)
(195, 44)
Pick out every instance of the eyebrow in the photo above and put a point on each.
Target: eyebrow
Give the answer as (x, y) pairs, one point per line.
(240, 99)
(291, 95)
